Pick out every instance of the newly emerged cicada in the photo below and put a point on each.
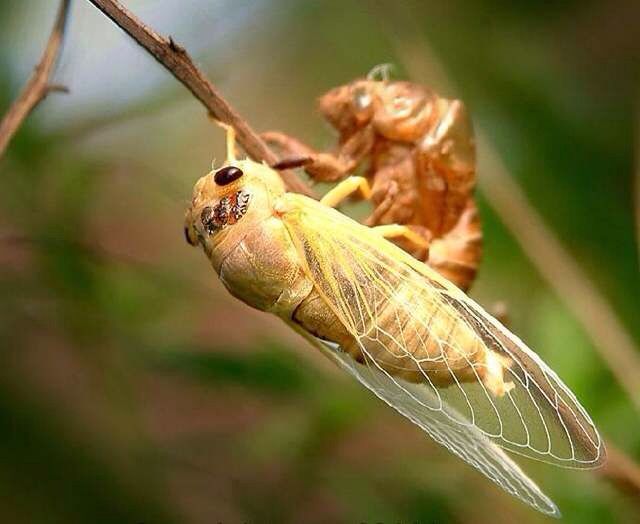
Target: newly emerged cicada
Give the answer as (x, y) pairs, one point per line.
(405, 332)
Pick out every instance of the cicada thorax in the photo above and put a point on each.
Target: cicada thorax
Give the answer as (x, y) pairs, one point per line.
(405, 111)
(436, 136)
(445, 163)
(422, 167)
(423, 171)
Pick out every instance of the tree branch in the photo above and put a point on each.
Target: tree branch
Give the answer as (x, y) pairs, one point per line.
(38, 87)
(178, 62)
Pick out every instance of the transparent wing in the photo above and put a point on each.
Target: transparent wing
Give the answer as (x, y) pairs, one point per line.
(386, 299)
(470, 444)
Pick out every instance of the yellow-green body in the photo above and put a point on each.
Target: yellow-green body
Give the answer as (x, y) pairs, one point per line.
(258, 262)
(406, 333)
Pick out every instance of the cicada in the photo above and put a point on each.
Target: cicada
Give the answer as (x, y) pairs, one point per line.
(406, 333)
(417, 150)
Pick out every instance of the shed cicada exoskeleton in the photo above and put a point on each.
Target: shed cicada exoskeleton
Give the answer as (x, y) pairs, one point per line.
(405, 332)
(418, 153)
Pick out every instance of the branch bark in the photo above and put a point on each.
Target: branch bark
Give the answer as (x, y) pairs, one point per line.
(637, 177)
(621, 471)
(178, 62)
(38, 86)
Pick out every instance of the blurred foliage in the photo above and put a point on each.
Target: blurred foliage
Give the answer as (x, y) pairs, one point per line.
(133, 389)
(271, 370)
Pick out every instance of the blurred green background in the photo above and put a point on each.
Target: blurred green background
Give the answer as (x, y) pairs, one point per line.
(134, 389)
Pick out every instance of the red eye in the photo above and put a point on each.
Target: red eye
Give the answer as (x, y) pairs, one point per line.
(226, 175)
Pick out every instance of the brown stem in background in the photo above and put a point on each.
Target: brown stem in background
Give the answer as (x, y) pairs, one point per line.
(637, 178)
(38, 86)
(178, 62)
(560, 270)
(621, 471)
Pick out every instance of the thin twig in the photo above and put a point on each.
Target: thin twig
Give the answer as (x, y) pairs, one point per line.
(38, 87)
(637, 178)
(178, 62)
(621, 471)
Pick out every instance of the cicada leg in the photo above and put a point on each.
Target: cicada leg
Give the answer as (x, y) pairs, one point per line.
(394, 198)
(346, 188)
(500, 311)
(420, 240)
(231, 139)
(413, 239)
(290, 148)
(323, 167)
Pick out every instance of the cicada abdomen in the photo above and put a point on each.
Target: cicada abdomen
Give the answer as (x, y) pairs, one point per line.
(402, 322)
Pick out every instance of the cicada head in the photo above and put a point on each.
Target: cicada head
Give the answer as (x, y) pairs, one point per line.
(351, 106)
(229, 198)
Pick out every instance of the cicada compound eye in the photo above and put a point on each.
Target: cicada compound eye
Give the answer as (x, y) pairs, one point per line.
(227, 174)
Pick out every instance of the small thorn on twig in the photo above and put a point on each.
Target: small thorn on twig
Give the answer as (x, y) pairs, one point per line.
(57, 88)
(174, 46)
